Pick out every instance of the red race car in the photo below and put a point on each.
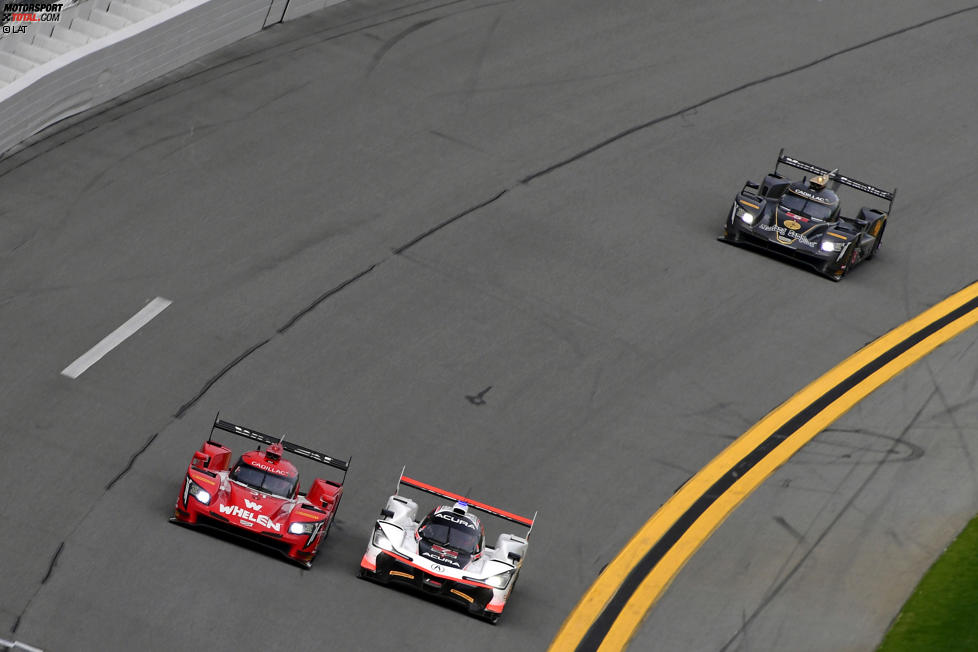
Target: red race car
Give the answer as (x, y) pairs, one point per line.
(259, 497)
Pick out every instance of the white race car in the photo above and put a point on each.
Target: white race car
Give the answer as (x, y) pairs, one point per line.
(445, 554)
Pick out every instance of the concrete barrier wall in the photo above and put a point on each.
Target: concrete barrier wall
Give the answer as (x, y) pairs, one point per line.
(112, 65)
(298, 8)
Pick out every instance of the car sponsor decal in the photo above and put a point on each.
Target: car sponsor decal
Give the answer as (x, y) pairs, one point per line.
(443, 558)
(784, 232)
(245, 515)
(791, 224)
(266, 467)
(810, 196)
(448, 516)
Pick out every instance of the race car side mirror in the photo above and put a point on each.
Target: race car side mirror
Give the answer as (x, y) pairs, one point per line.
(386, 513)
(514, 556)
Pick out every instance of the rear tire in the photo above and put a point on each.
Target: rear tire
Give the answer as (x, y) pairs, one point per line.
(876, 245)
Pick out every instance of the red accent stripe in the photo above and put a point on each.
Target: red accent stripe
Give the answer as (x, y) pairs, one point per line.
(411, 482)
(369, 565)
(498, 608)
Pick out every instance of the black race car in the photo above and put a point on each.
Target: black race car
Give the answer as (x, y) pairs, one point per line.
(801, 220)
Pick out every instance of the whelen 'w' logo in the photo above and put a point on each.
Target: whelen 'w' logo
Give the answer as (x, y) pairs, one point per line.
(251, 505)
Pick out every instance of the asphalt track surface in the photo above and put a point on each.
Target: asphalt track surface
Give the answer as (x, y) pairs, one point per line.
(366, 216)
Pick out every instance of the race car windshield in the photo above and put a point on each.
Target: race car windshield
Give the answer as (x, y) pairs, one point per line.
(806, 207)
(444, 532)
(270, 483)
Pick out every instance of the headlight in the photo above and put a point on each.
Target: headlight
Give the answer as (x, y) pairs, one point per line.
(831, 246)
(744, 215)
(500, 581)
(191, 488)
(302, 528)
(381, 541)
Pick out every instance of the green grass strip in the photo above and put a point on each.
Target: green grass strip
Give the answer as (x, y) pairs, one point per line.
(942, 613)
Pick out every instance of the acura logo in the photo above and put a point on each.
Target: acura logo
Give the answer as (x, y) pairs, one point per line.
(437, 568)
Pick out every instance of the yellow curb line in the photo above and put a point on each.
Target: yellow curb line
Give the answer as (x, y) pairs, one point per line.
(594, 601)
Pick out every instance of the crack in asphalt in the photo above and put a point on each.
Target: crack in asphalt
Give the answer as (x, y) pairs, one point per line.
(126, 100)
(132, 460)
(47, 576)
(438, 227)
(325, 295)
(757, 82)
(397, 251)
(213, 379)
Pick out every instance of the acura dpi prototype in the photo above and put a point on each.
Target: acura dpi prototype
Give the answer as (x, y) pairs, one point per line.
(445, 553)
(259, 498)
(801, 220)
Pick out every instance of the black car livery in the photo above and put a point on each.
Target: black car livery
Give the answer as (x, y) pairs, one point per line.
(802, 220)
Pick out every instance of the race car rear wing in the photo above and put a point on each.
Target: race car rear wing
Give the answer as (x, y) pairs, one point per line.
(474, 504)
(316, 456)
(836, 178)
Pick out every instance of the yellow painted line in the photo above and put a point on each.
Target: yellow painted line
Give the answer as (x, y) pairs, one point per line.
(596, 599)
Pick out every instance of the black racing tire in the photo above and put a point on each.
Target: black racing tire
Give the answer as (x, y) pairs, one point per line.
(730, 231)
(876, 245)
(850, 262)
(332, 517)
(840, 272)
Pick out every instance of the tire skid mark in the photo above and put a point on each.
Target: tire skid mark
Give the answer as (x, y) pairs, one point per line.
(397, 38)
(850, 501)
(226, 67)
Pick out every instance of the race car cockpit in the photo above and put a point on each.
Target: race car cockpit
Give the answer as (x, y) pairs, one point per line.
(259, 480)
(447, 527)
(813, 202)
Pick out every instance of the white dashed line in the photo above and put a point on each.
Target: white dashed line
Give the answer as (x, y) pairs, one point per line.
(116, 337)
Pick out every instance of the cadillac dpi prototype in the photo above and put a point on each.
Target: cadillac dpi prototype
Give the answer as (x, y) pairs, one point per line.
(801, 220)
(445, 554)
(259, 497)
